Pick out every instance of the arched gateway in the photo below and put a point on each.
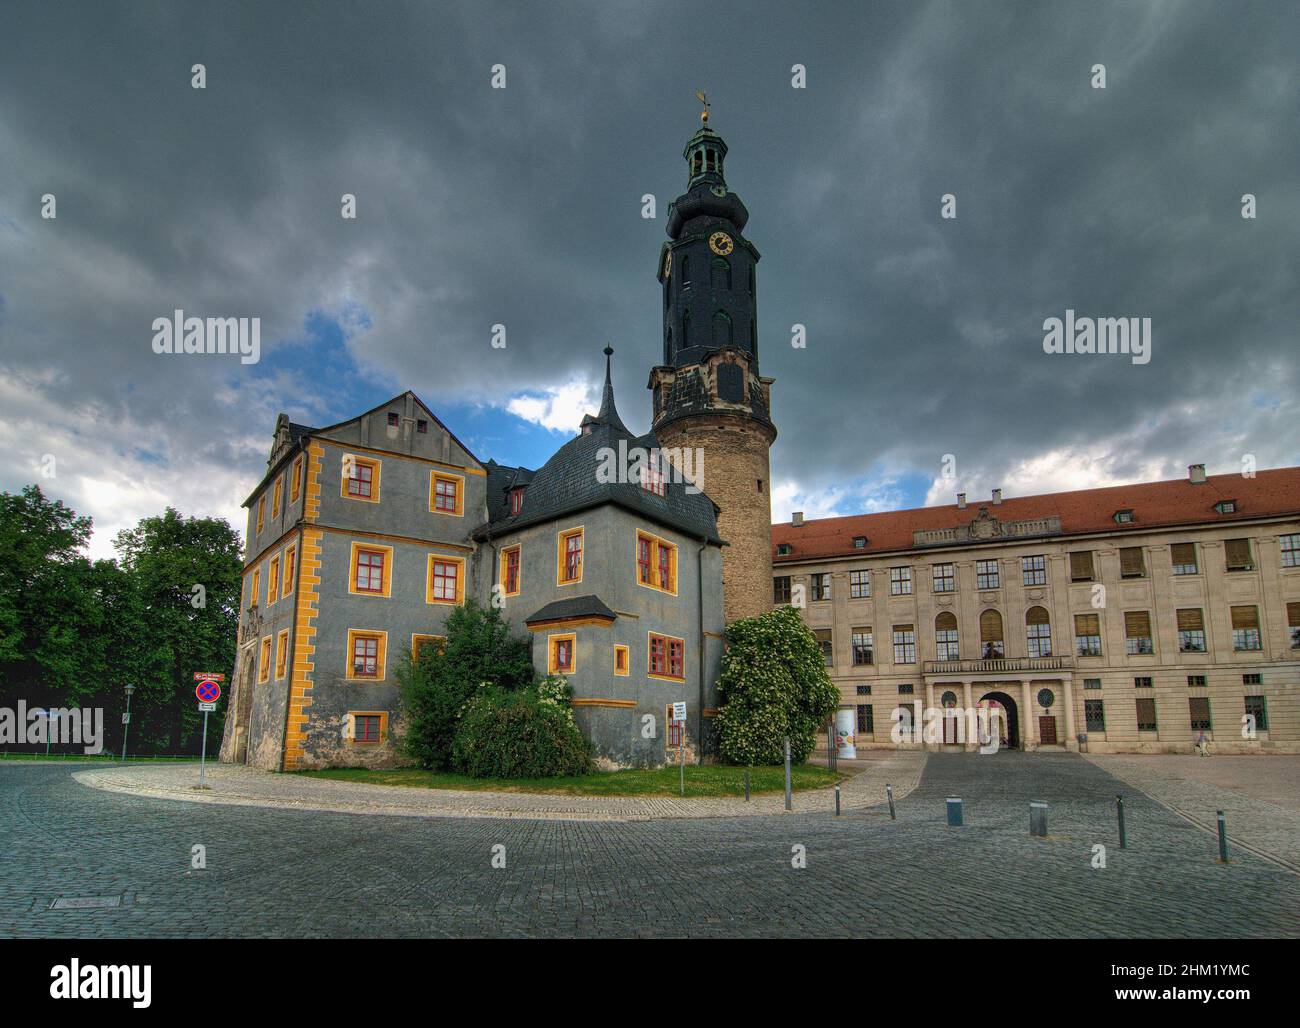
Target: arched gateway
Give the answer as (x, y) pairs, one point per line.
(1008, 717)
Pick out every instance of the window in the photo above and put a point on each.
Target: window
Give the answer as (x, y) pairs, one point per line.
(821, 586)
(561, 660)
(1193, 681)
(446, 579)
(1094, 715)
(906, 689)
(859, 585)
(366, 654)
(783, 549)
(420, 644)
(864, 650)
(1038, 632)
(510, 558)
(1132, 562)
(900, 581)
(1184, 558)
(1092, 683)
(824, 640)
(859, 542)
(257, 587)
(1191, 631)
(290, 557)
(1146, 714)
(1226, 506)
(393, 419)
(372, 570)
(1081, 569)
(1124, 517)
(945, 636)
(621, 661)
(261, 512)
(1257, 708)
(277, 497)
(1087, 634)
(781, 589)
(904, 644)
(281, 652)
(1293, 624)
(1245, 628)
(667, 657)
(516, 501)
(264, 660)
(1199, 708)
(446, 494)
(1237, 552)
(656, 563)
(653, 479)
(991, 640)
(367, 727)
(864, 690)
(295, 482)
(1137, 632)
(1142, 682)
(1034, 570)
(272, 581)
(569, 557)
(360, 478)
(1290, 546)
(422, 426)
(866, 723)
(987, 575)
(1255, 679)
(945, 580)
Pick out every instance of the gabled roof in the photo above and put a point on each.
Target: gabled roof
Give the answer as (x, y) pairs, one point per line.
(1082, 512)
(420, 403)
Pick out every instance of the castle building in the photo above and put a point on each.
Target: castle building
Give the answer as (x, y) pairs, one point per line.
(1124, 619)
(363, 536)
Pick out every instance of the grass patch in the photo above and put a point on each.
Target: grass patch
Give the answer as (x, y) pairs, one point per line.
(701, 781)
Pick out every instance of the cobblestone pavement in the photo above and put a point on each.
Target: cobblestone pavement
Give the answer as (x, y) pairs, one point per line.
(251, 787)
(1259, 796)
(298, 873)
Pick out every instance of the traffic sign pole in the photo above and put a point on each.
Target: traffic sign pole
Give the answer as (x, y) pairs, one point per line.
(208, 692)
(204, 758)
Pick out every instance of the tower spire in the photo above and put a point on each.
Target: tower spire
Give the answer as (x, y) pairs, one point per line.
(608, 412)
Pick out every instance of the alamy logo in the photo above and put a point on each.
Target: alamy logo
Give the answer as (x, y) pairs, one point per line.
(110, 981)
(1099, 335)
(82, 726)
(179, 334)
(651, 469)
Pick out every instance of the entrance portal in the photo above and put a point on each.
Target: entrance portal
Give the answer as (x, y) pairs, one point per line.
(1008, 717)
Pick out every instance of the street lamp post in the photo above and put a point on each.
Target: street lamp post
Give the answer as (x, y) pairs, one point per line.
(126, 725)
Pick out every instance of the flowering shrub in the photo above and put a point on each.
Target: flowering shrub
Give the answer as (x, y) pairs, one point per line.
(773, 684)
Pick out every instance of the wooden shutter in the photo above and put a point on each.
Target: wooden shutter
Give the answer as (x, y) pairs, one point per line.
(945, 622)
(1293, 615)
(1087, 624)
(1137, 624)
(1036, 616)
(1238, 551)
(1131, 563)
(990, 626)
(1183, 553)
(1081, 566)
(1245, 617)
(1190, 621)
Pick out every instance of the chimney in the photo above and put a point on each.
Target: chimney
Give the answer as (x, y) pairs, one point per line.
(1196, 473)
(796, 519)
(997, 496)
(961, 501)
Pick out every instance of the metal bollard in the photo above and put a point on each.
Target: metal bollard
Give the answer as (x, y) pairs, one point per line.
(1223, 839)
(889, 791)
(954, 811)
(789, 803)
(837, 800)
(1123, 836)
(1038, 818)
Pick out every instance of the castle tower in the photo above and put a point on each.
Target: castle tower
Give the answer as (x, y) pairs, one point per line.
(708, 394)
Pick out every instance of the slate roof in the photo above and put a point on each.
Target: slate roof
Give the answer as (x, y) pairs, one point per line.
(568, 483)
(296, 432)
(572, 607)
(1085, 511)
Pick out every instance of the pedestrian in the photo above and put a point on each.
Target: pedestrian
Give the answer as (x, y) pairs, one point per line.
(1202, 745)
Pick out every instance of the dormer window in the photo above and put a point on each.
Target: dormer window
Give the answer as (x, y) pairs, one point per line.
(652, 479)
(783, 549)
(516, 501)
(859, 542)
(1124, 517)
(1226, 506)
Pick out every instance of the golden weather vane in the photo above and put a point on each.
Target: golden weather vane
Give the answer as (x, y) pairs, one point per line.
(704, 115)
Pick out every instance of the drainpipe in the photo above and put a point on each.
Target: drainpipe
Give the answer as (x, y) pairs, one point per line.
(699, 577)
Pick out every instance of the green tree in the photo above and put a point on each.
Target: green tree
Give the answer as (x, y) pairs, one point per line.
(773, 684)
(478, 651)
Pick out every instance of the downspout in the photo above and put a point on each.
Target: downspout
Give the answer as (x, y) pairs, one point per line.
(699, 578)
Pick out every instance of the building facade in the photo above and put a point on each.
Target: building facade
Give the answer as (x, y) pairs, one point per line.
(1125, 619)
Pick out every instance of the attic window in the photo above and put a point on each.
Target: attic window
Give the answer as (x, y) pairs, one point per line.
(1124, 517)
(859, 542)
(422, 426)
(652, 479)
(516, 500)
(783, 549)
(392, 418)
(1226, 506)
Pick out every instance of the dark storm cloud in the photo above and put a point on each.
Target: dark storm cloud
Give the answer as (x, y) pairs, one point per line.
(522, 206)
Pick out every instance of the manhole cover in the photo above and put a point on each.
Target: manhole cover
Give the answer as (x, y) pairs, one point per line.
(85, 902)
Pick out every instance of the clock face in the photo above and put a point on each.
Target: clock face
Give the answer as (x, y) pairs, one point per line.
(721, 243)
(668, 264)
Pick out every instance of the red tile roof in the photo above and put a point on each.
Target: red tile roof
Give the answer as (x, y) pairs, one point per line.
(1154, 504)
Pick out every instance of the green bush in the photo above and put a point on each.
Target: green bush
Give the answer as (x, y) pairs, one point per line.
(773, 683)
(519, 735)
(479, 651)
